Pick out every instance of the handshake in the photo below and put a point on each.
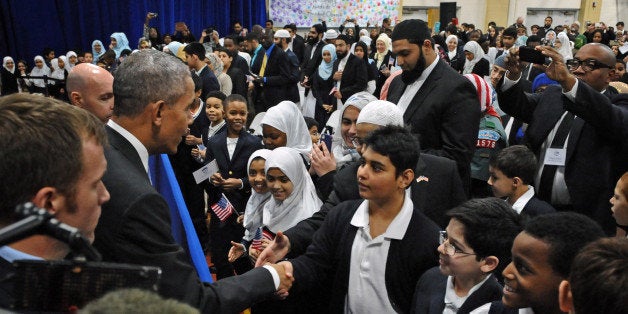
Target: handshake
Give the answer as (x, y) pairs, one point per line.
(273, 252)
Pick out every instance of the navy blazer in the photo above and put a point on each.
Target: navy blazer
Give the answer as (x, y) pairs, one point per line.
(210, 82)
(234, 167)
(429, 297)
(354, 76)
(536, 206)
(328, 258)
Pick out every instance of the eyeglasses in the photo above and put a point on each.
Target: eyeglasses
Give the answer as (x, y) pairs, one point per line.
(587, 65)
(450, 249)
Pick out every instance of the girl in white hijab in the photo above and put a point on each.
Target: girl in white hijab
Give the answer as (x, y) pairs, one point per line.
(478, 54)
(72, 58)
(286, 119)
(8, 78)
(58, 70)
(342, 146)
(561, 43)
(294, 194)
(40, 69)
(255, 205)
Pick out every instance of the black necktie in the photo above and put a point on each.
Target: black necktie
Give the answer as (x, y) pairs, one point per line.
(549, 171)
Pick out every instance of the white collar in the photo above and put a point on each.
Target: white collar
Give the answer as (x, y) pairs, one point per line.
(201, 70)
(139, 147)
(397, 228)
(521, 202)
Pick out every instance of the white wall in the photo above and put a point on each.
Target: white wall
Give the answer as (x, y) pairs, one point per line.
(610, 12)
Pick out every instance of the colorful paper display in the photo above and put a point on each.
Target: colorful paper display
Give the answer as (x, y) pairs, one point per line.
(333, 12)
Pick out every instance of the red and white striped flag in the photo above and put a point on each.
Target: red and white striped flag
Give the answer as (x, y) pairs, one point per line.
(223, 208)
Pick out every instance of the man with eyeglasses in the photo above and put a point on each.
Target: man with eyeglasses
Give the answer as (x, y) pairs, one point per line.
(579, 135)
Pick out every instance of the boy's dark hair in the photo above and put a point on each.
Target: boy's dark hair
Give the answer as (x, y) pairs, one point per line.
(198, 82)
(230, 53)
(196, 49)
(515, 161)
(510, 31)
(125, 53)
(398, 144)
(490, 227)
(216, 94)
(566, 233)
(291, 26)
(533, 39)
(599, 277)
(46, 51)
(619, 23)
(271, 22)
(535, 26)
(231, 98)
(310, 122)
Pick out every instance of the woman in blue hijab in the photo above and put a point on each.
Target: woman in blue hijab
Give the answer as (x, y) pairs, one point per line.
(97, 50)
(119, 42)
(322, 84)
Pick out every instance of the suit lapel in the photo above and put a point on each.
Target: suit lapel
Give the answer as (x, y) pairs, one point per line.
(428, 85)
(117, 141)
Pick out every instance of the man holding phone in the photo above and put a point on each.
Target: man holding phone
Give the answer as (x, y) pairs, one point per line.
(571, 128)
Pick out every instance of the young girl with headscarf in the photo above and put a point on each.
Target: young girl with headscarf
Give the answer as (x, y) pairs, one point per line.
(260, 195)
(8, 78)
(97, 50)
(562, 44)
(283, 125)
(72, 58)
(322, 83)
(119, 42)
(40, 70)
(475, 63)
(56, 86)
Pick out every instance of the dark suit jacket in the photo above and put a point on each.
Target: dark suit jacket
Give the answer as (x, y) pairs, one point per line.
(240, 63)
(278, 78)
(7, 274)
(298, 46)
(354, 76)
(309, 65)
(234, 167)
(437, 190)
(238, 81)
(134, 228)
(536, 206)
(429, 297)
(210, 82)
(329, 257)
(481, 68)
(445, 114)
(595, 141)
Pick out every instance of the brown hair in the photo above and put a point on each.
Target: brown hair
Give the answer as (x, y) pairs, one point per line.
(42, 145)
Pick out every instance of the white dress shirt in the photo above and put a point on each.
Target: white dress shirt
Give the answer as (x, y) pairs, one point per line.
(413, 88)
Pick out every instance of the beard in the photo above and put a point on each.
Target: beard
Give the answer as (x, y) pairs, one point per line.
(312, 40)
(408, 77)
(341, 55)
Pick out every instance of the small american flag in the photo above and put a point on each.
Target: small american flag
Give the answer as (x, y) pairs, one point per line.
(261, 233)
(223, 208)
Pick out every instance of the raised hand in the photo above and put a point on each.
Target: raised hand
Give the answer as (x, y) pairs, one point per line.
(236, 251)
(322, 160)
(275, 251)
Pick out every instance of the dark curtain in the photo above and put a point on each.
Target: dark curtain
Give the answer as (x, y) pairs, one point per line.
(26, 26)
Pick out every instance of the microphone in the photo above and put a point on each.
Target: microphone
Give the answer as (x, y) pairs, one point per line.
(39, 221)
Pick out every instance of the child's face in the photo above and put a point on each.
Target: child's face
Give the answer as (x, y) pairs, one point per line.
(279, 184)
(273, 138)
(460, 264)
(529, 280)
(257, 176)
(314, 135)
(236, 116)
(213, 109)
(377, 177)
(502, 185)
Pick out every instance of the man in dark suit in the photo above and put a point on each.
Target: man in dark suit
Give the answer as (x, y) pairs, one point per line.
(435, 189)
(312, 55)
(439, 105)
(195, 57)
(232, 43)
(271, 65)
(578, 135)
(283, 41)
(350, 72)
(135, 225)
(297, 44)
(65, 181)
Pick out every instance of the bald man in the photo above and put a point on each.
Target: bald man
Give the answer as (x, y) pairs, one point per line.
(91, 88)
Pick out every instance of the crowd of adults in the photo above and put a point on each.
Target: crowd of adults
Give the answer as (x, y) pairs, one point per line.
(360, 170)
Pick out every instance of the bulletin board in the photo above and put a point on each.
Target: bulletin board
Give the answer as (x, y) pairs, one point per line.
(333, 12)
